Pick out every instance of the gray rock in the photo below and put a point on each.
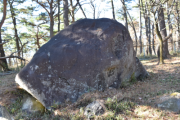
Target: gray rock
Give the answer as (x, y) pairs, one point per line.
(94, 108)
(31, 105)
(88, 55)
(4, 114)
(170, 102)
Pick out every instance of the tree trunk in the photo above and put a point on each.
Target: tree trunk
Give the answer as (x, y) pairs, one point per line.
(65, 11)
(178, 29)
(163, 32)
(72, 11)
(170, 25)
(113, 9)
(51, 20)
(161, 59)
(160, 48)
(94, 9)
(59, 22)
(140, 27)
(125, 15)
(147, 29)
(149, 34)
(15, 29)
(3, 62)
(37, 38)
(153, 46)
(135, 35)
(81, 9)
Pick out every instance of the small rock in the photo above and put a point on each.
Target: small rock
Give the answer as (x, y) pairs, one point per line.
(4, 114)
(30, 104)
(94, 108)
(171, 102)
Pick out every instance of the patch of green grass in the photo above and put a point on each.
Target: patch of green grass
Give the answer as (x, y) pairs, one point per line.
(118, 107)
(127, 83)
(124, 84)
(79, 115)
(133, 78)
(110, 116)
(16, 106)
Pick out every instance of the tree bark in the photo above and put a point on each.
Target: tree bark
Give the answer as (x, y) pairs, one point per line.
(149, 34)
(65, 11)
(153, 46)
(147, 29)
(112, 4)
(163, 32)
(178, 29)
(51, 20)
(37, 37)
(15, 29)
(135, 35)
(59, 22)
(170, 25)
(140, 27)
(50, 13)
(160, 48)
(124, 14)
(81, 8)
(3, 62)
(94, 9)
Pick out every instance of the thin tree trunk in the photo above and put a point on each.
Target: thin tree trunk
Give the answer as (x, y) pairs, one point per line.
(135, 35)
(51, 20)
(124, 14)
(178, 29)
(147, 29)
(81, 9)
(132, 26)
(94, 9)
(140, 27)
(163, 32)
(59, 22)
(15, 29)
(66, 11)
(72, 11)
(3, 62)
(149, 34)
(153, 46)
(37, 38)
(170, 25)
(160, 48)
(113, 9)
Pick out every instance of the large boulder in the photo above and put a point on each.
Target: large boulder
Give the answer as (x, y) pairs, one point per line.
(90, 54)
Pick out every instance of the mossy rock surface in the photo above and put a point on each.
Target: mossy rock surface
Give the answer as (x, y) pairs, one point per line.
(170, 102)
(30, 104)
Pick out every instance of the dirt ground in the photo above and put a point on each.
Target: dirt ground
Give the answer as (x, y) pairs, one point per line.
(163, 79)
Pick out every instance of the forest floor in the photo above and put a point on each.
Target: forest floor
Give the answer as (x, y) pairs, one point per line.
(136, 100)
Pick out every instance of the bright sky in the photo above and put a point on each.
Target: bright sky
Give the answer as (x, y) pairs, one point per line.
(103, 9)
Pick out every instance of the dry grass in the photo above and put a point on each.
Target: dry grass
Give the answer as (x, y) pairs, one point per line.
(164, 79)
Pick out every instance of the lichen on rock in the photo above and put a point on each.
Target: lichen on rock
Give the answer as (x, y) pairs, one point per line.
(88, 55)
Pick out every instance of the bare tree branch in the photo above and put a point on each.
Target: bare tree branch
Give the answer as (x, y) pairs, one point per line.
(3, 43)
(12, 57)
(43, 7)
